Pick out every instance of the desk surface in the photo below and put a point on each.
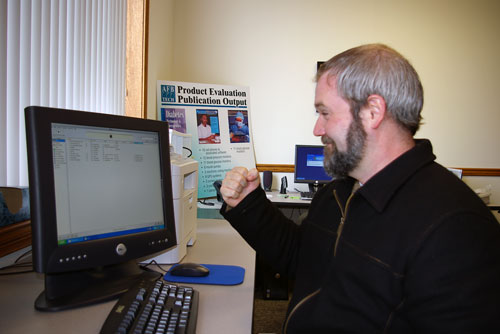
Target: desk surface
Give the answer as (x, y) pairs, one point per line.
(289, 199)
(217, 243)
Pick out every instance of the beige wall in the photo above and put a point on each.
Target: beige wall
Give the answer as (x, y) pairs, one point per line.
(273, 46)
(161, 51)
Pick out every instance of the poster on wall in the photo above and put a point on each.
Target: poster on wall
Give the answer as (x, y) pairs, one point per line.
(218, 119)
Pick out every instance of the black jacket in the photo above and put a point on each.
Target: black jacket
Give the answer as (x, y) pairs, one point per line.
(418, 252)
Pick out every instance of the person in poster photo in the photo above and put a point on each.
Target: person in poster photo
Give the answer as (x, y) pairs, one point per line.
(238, 130)
(208, 126)
(205, 130)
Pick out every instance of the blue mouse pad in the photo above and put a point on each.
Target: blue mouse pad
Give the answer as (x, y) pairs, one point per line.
(219, 275)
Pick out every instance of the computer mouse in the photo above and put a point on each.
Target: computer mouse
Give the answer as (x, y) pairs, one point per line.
(189, 269)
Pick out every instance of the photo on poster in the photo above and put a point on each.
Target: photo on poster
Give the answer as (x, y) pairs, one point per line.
(176, 118)
(208, 126)
(238, 126)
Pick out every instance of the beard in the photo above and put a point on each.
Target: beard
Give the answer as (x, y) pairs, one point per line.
(340, 164)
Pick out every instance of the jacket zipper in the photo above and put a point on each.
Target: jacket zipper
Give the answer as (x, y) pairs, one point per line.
(299, 304)
(339, 232)
(343, 212)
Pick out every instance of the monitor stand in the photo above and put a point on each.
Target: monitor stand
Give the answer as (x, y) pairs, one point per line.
(80, 288)
(314, 187)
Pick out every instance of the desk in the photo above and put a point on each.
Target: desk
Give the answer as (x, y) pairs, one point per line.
(494, 207)
(217, 243)
(290, 199)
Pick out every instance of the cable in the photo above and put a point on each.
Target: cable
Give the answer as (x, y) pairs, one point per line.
(190, 152)
(23, 255)
(153, 262)
(16, 265)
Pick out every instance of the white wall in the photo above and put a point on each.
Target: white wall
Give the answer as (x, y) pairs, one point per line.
(273, 46)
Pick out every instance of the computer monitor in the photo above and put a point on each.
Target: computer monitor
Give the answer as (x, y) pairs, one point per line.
(309, 166)
(101, 198)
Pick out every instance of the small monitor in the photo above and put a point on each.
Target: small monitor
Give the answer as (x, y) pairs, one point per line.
(101, 198)
(309, 166)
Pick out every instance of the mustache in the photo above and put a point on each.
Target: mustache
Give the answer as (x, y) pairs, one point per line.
(326, 140)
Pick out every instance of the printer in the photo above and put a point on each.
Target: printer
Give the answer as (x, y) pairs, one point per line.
(184, 171)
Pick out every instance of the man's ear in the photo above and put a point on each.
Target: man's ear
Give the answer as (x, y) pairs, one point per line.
(374, 111)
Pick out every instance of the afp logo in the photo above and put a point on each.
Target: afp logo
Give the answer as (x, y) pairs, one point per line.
(168, 93)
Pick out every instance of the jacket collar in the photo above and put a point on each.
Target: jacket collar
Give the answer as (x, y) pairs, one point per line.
(379, 190)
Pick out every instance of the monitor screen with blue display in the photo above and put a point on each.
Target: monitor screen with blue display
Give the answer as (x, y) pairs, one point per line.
(309, 165)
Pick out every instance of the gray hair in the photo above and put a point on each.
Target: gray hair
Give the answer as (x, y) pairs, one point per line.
(378, 69)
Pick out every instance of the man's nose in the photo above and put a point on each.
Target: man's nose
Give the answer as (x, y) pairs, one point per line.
(319, 129)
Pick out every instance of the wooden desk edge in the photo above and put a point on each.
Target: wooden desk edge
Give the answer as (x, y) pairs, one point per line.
(14, 237)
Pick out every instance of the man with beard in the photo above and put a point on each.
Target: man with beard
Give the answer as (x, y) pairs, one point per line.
(395, 243)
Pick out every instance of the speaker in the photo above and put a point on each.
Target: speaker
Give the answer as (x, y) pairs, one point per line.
(284, 185)
(217, 184)
(268, 180)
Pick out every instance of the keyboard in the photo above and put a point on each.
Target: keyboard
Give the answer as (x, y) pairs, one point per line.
(307, 194)
(154, 307)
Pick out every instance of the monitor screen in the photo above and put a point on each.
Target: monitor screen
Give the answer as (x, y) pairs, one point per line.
(123, 165)
(309, 165)
(101, 199)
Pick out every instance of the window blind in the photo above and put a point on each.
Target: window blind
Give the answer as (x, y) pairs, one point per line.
(57, 53)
